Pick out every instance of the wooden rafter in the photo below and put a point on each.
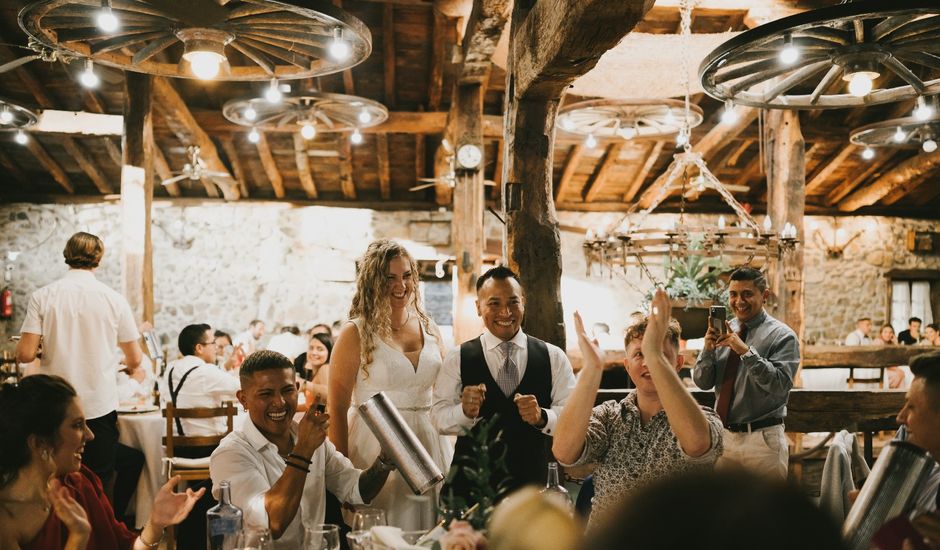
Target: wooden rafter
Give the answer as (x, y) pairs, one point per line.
(81, 157)
(270, 167)
(303, 167)
(51, 166)
(162, 167)
(443, 26)
(637, 182)
(751, 168)
(735, 156)
(903, 178)
(601, 175)
(420, 156)
(828, 167)
(498, 169)
(346, 169)
(381, 156)
(388, 54)
(93, 103)
(228, 145)
(850, 184)
(11, 168)
(567, 174)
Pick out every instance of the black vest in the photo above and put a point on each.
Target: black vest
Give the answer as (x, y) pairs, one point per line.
(527, 449)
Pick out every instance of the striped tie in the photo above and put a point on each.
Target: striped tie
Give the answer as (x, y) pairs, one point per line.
(508, 378)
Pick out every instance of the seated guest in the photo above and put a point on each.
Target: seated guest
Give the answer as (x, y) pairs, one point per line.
(931, 335)
(886, 337)
(43, 430)
(656, 431)
(859, 336)
(229, 357)
(279, 469)
(250, 340)
(314, 366)
(320, 328)
(529, 520)
(911, 335)
(195, 381)
(288, 342)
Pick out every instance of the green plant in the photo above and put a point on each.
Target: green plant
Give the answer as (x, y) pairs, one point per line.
(696, 279)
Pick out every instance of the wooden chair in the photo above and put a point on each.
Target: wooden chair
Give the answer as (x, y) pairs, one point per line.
(190, 469)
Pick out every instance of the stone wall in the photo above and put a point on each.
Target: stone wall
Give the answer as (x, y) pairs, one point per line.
(226, 264)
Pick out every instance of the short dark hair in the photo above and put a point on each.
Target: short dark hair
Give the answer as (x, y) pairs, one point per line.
(860, 319)
(934, 326)
(926, 366)
(327, 342)
(326, 329)
(261, 361)
(255, 322)
(34, 407)
(291, 329)
(83, 251)
(498, 272)
(638, 329)
(190, 336)
(750, 274)
(223, 334)
(914, 320)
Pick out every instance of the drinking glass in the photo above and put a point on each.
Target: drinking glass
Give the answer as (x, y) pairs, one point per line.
(323, 536)
(254, 539)
(367, 518)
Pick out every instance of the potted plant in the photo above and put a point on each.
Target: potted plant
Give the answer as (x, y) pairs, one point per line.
(694, 283)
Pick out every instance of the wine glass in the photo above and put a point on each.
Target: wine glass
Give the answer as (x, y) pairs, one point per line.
(322, 536)
(254, 539)
(366, 518)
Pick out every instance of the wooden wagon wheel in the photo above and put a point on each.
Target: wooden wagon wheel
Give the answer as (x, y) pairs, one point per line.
(15, 117)
(261, 39)
(907, 132)
(858, 41)
(627, 118)
(325, 112)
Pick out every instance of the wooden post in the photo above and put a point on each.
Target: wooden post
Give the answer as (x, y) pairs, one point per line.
(786, 203)
(467, 224)
(137, 196)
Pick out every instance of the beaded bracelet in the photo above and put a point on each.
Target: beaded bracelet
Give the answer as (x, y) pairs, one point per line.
(300, 458)
(298, 466)
(152, 545)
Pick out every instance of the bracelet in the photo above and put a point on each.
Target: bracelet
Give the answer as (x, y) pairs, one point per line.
(300, 458)
(152, 545)
(298, 466)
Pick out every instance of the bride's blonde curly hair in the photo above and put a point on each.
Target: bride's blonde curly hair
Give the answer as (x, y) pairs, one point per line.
(371, 301)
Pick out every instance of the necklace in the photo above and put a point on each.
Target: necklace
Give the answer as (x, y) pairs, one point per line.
(408, 318)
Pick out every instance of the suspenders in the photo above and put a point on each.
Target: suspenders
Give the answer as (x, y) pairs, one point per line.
(176, 392)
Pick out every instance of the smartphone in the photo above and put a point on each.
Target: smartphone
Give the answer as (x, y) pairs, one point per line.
(320, 408)
(716, 317)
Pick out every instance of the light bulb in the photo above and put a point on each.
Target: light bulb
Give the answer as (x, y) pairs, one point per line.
(273, 94)
(683, 138)
(670, 118)
(768, 225)
(6, 116)
(840, 234)
(590, 142)
(899, 135)
(205, 65)
(88, 78)
(729, 115)
(923, 111)
(339, 48)
(566, 124)
(721, 222)
(356, 137)
(21, 138)
(789, 54)
(861, 84)
(254, 136)
(250, 114)
(365, 116)
(868, 153)
(106, 20)
(627, 132)
(308, 131)
(929, 146)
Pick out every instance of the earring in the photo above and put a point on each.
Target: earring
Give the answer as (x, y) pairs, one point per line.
(45, 455)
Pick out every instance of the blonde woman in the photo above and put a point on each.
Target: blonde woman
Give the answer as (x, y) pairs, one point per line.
(389, 345)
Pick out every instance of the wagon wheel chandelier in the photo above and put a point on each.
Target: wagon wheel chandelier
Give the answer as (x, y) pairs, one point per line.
(907, 133)
(840, 56)
(310, 113)
(243, 40)
(15, 118)
(627, 119)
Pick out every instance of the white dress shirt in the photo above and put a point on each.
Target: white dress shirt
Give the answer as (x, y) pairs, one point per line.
(447, 412)
(251, 465)
(207, 386)
(80, 320)
(857, 338)
(287, 344)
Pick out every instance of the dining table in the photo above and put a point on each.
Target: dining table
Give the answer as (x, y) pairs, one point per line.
(143, 429)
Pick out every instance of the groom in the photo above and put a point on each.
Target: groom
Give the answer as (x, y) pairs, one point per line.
(522, 380)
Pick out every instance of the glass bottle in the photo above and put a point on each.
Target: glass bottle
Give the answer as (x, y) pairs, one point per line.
(555, 490)
(223, 521)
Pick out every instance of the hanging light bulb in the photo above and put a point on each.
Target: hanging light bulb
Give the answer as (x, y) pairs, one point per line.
(929, 145)
(250, 114)
(339, 47)
(6, 115)
(868, 153)
(628, 132)
(682, 138)
(768, 225)
(204, 50)
(88, 78)
(356, 137)
(273, 93)
(254, 136)
(21, 138)
(590, 142)
(721, 222)
(861, 75)
(106, 20)
(923, 111)
(789, 54)
(308, 131)
(670, 118)
(365, 116)
(566, 123)
(729, 115)
(899, 135)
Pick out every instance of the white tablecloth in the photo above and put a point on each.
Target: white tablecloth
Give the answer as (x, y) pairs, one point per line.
(144, 432)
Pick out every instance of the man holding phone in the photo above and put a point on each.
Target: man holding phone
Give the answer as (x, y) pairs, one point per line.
(750, 362)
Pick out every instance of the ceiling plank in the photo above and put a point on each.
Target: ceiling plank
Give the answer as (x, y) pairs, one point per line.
(602, 174)
(80, 156)
(498, 170)
(655, 150)
(735, 155)
(385, 179)
(751, 168)
(178, 116)
(903, 178)
(439, 34)
(388, 54)
(51, 166)
(11, 168)
(567, 174)
(270, 167)
(94, 104)
(346, 169)
(162, 168)
(420, 156)
(828, 167)
(228, 145)
(303, 167)
(850, 184)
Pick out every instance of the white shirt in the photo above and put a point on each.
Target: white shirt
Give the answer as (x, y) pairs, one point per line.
(288, 344)
(857, 338)
(250, 463)
(247, 340)
(80, 320)
(447, 412)
(207, 386)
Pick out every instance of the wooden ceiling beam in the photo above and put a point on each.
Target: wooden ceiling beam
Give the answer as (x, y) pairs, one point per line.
(81, 157)
(388, 54)
(346, 169)
(302, 159)
(13, 170)
(751, 168)
(498, 170)
(385, 176)
(567, 174)
(637, 182)
(441, 31)
(270, 167)
(602, 174)
(51, 166)
(228, 145)
(828, 167)
(162, 168)
(735, 156)
(903, 178)
(420, 156)
(93, 103)
(186, 128)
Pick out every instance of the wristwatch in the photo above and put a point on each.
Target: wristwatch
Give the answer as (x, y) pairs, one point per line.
(544, 420)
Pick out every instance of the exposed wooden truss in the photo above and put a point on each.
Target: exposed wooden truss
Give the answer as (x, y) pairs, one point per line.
(565, 186)
(385, 175)
(270, 167)
(656, 149)
(303, 167)
(599, 178)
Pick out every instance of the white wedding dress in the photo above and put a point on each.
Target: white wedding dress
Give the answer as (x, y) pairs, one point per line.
(410, 389)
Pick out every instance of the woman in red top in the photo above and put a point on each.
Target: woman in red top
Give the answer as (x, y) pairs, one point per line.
(48, 500)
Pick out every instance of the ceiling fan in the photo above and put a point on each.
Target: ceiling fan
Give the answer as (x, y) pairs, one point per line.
(196, 170)
(450, 179)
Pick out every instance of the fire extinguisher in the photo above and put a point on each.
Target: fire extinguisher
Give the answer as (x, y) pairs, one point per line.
(6, 304)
